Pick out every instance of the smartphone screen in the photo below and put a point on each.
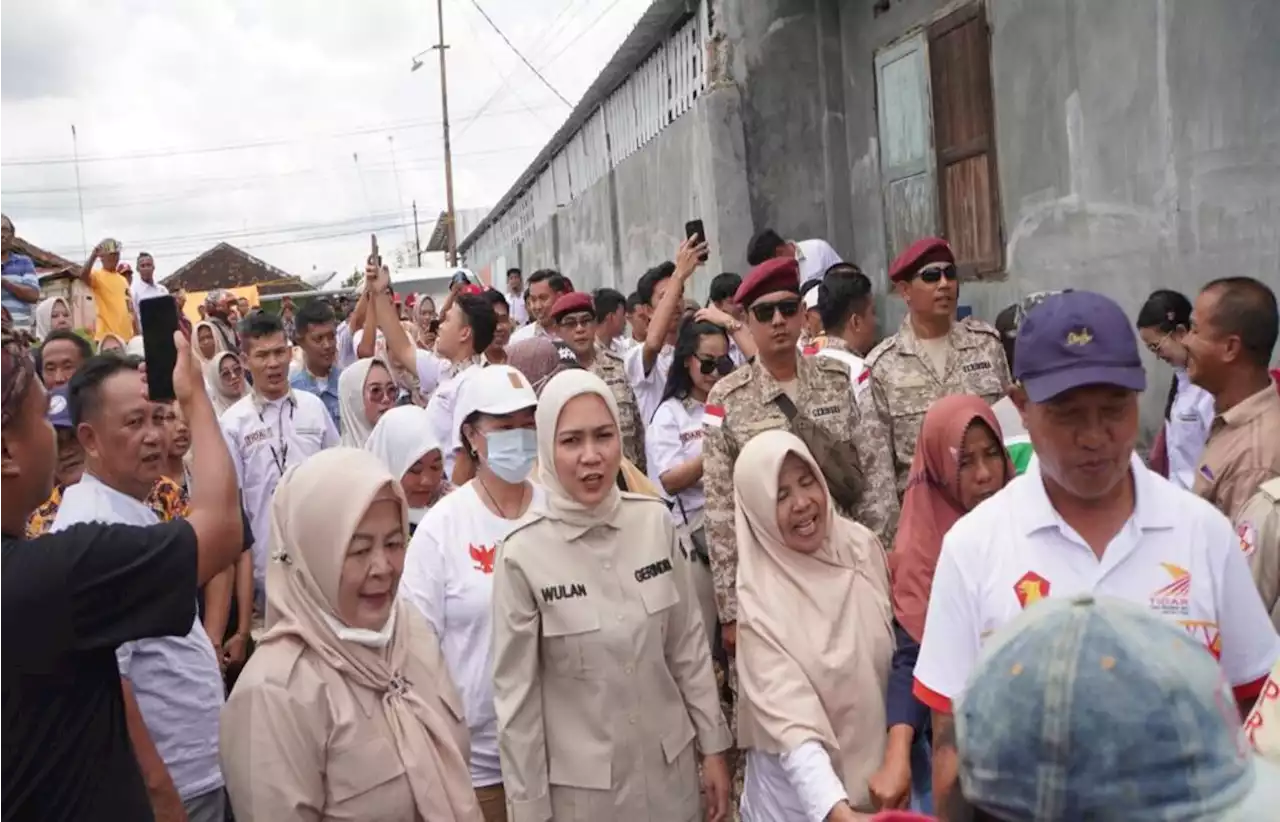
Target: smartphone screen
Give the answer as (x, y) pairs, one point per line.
(695, 227)
(159, 319)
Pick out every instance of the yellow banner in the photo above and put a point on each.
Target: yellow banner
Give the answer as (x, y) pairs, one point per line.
(195, 299)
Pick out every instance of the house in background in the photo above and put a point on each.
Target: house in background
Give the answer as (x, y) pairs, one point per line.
(58, 279)
(225, 266)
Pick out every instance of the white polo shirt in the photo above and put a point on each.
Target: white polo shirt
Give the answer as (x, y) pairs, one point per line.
(441, 407)
(267, 438)
(675, 437)
(142, 290)
(529, 331)
(648, 387)
(1177, 555)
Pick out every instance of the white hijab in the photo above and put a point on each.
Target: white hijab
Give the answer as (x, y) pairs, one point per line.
(356, 427)
(44, 315)
(402, 437)
(219, 396)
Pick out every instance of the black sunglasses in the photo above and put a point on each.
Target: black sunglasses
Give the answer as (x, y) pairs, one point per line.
(933, 275)
(722, 364)
(763, 312)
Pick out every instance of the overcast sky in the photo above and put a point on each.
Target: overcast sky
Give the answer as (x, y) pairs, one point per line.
(208, 120)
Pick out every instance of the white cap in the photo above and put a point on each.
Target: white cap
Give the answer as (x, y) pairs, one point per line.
(811, 298)
(494, 390)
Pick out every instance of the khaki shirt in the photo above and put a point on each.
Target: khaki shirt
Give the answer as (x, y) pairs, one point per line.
(1258, 526)
(299, 740)
(1243, 451)
(608, 366)
(825, 394)
(602, 673)
(905, 382)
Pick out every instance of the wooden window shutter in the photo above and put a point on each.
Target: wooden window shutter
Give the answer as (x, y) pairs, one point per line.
(907, 157)
(964, 136)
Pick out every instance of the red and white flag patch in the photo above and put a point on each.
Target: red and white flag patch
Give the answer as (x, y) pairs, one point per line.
(713, 416)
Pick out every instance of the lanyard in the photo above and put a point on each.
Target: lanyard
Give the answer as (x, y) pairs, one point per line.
(281, 456)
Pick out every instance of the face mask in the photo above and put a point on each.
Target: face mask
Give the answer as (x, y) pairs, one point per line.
(512, 453)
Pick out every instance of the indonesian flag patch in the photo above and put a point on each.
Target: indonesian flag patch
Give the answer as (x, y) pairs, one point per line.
(713, 416)
(863, 382)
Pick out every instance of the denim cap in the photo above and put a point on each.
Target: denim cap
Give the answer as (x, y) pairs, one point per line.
(1076, 338)
(1083, 709)
(59, 413)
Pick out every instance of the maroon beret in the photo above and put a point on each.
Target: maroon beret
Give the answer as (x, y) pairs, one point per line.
(571, 302)
(922, 252)
(774, 274)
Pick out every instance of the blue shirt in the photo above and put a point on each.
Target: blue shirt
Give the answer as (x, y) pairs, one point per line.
(327, 391)
(19, 269)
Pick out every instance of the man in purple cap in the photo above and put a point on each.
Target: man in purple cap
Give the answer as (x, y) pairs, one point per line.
(1087, 518)
(932, 355)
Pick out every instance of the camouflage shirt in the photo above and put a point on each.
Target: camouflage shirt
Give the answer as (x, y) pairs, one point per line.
(608, 366)
(745, 399)
(904, 382)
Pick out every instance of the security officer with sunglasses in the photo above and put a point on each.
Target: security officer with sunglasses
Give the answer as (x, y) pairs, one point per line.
(810, 396)
(932, 355)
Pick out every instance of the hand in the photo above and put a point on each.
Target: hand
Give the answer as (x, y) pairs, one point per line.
(188, 381)
(891, 784)
(219, 655)
(711, 314)
(383, 280)
(235, 650)
(100, 248)
(729, 636)
(371, 272)
(689, 257)
(715, 787)
(841, 812)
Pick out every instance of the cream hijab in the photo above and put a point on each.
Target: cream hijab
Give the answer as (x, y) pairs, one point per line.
(219, 396)
(44, 315)
(814, 630)
(558, 504)
(219, 344)
(356, 427)
(402, 437)
(316, 508)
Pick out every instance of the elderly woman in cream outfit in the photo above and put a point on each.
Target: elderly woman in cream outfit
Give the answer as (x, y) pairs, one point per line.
(345, 711)
(602, 676)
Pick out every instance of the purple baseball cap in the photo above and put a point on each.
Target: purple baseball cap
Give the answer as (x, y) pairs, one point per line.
(1076, 338)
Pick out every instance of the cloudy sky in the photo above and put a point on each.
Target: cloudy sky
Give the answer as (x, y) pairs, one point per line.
(208, 120)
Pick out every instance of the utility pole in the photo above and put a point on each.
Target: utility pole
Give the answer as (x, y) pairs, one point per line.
(417, 243)
(451, 244)
(75, 151)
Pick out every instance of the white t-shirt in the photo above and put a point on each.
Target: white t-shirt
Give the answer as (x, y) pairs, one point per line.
(441, 406)
(1187, 430)
(528, 332)
(176, 679)
(448, 576)
(430, 368)
(648, 387)
(675, 437)
(267, 438)
(797, 786)
(516, 307)
(1177, 555)
(815, 257)
(144, 291)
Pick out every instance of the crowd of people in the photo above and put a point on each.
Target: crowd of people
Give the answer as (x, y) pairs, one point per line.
(546, 555)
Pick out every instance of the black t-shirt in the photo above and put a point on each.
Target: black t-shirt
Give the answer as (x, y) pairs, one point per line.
(69, 599)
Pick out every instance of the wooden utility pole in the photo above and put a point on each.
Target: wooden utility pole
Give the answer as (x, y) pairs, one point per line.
(417, 243)
(451, 242)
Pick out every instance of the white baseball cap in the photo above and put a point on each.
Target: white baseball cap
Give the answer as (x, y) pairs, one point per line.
(495, 390)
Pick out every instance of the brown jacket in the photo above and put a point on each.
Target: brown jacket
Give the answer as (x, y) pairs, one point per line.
(1243, 452)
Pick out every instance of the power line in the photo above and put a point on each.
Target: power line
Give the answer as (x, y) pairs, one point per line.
(580, 34)
(517, 53)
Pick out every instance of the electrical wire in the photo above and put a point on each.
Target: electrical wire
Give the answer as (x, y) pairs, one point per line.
(517, 53)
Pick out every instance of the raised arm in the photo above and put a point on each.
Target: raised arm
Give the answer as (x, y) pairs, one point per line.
(86, 271)
(400, 348)
(671, 304)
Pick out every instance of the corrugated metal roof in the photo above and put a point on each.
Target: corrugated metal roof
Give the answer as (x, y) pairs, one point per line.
(654, 27)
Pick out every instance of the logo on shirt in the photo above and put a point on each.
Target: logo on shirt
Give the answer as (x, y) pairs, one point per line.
(653, 569)
(1081, 336)
(689, 436)
(551, 593)
(261, 435)
(1030, 588)
(1173, 599)
(483, 557)
(1206, 633)
(1248, 538)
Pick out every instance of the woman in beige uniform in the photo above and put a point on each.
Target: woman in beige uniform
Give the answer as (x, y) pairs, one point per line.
(346, 710)
(602, 674)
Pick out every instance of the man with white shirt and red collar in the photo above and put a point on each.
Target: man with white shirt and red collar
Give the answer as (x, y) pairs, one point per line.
(1087, 518)
(270, 430)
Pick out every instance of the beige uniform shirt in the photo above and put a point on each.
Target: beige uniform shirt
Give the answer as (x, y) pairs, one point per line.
(299, 741)
(1258, 526)
(746, 399)
(1243, 451)
(608, 366)
(905, 382)
(602, 673)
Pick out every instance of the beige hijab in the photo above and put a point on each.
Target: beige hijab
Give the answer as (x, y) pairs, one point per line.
(316, 508)
(219, 396)
(814, 630)
(558, 504)
(219, 344)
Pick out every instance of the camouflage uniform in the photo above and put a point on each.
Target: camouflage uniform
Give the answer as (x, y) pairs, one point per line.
(824, 393)
(608, 366)
(904, 383)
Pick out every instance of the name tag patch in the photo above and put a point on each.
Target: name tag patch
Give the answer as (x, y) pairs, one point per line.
(974, 367)
(552, 593)
(826, 410)
(653, 569)
(261, 435)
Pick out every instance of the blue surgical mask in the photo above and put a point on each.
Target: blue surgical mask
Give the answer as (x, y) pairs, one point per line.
(511, 454)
